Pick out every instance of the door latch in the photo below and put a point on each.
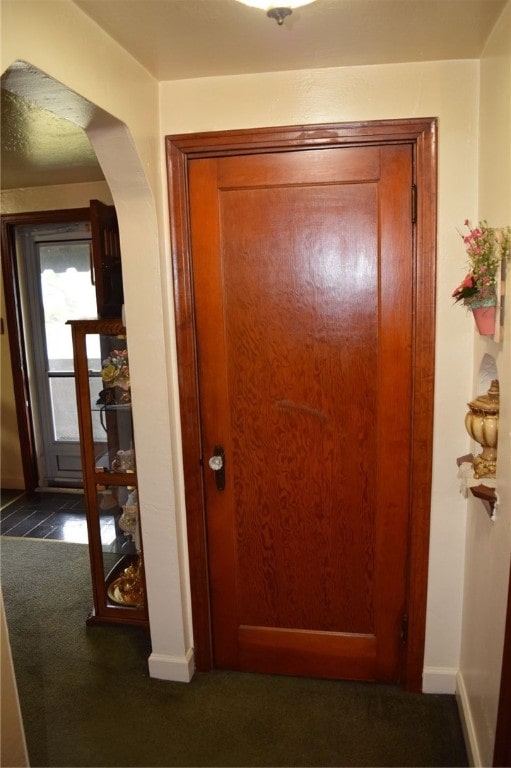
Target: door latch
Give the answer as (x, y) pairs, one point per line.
(217, 464)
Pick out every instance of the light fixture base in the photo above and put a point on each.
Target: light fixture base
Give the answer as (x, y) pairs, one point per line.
(279, 14)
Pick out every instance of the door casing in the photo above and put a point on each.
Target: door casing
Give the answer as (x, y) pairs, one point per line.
(421, 133)
(109, 296)
(15, 327)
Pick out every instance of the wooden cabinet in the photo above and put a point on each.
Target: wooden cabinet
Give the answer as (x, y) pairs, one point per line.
(109, 471)
(106, 258)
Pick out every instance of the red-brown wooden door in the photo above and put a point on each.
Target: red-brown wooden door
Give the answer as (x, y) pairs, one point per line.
(302, 269)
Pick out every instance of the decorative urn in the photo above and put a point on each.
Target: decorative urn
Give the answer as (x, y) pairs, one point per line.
(482, 424)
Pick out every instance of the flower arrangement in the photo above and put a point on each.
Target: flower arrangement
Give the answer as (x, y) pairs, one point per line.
(115, 375)
(115, 369)
(486, 247)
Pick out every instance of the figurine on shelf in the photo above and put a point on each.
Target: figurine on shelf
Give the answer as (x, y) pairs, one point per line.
(115, 374)
(128, 521)
(128, 588)
(124, 461)
(108, 498)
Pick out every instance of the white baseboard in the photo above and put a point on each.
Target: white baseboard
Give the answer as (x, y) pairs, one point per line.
(467, 723)
(177, 668)
(439, 680)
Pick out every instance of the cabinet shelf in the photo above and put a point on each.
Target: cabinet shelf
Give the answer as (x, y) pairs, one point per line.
(126, 407)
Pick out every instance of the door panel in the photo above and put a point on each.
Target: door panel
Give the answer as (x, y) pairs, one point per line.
(302, 269)
(267, 169)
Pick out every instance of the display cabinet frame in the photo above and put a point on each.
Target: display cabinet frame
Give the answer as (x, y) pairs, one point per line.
(118, 583)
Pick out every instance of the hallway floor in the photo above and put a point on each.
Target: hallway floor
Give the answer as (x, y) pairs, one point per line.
(87, 698)
(244, 719)
(44, 515)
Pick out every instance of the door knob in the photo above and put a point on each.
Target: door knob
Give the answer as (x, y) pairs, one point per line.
(217, 464)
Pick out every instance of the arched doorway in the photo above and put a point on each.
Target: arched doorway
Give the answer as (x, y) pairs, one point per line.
(50, 173)
(147, 317)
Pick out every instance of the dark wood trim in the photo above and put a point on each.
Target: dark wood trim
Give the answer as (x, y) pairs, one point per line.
(425, 173)
(421, 133)
(502, 750)
(189, 404)
(14, 321)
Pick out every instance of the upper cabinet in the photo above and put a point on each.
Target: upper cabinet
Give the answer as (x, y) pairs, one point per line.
(106, 259)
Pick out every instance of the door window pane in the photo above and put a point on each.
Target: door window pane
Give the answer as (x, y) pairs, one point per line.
(63, 406)
(67, 294)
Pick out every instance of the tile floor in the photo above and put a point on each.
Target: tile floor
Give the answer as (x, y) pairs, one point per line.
(45, 515)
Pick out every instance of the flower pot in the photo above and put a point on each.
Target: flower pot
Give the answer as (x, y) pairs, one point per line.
(485, 319)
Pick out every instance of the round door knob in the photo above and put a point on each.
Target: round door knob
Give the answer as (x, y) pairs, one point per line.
(216, 463)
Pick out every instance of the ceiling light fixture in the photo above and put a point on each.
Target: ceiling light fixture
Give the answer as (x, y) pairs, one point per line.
(277, 10)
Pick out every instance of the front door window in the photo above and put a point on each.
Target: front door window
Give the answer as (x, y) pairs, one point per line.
(59, 287)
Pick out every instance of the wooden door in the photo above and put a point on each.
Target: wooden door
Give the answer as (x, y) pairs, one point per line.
(303, 275)
(502, 748)
(106, 256)
(10, 225)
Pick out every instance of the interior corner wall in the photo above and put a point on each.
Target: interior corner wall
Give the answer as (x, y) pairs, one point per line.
(448, 91)
(488, 544)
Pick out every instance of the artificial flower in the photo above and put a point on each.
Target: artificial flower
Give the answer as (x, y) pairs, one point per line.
(487, 247)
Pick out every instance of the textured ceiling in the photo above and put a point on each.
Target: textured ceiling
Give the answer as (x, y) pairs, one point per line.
(39, 148)
(179, 39)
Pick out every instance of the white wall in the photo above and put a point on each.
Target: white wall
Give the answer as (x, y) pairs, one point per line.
(488, 545)
(449, 91)
(13, 746)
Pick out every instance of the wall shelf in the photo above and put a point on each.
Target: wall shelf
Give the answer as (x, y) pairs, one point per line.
(484, 492)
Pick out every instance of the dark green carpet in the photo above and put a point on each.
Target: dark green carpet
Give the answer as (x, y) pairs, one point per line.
(87, 700)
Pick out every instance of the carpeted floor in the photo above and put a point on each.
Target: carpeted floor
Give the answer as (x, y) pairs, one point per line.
(87, 700)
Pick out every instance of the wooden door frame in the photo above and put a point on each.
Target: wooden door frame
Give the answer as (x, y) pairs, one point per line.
(502, 747)
(421, 134)
(14, 320)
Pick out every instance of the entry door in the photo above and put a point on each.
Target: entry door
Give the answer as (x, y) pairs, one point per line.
(63, 265)
(55, 262)
(302, 268)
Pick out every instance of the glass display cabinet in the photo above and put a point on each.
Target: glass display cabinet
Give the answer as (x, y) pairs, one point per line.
(109, 471)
